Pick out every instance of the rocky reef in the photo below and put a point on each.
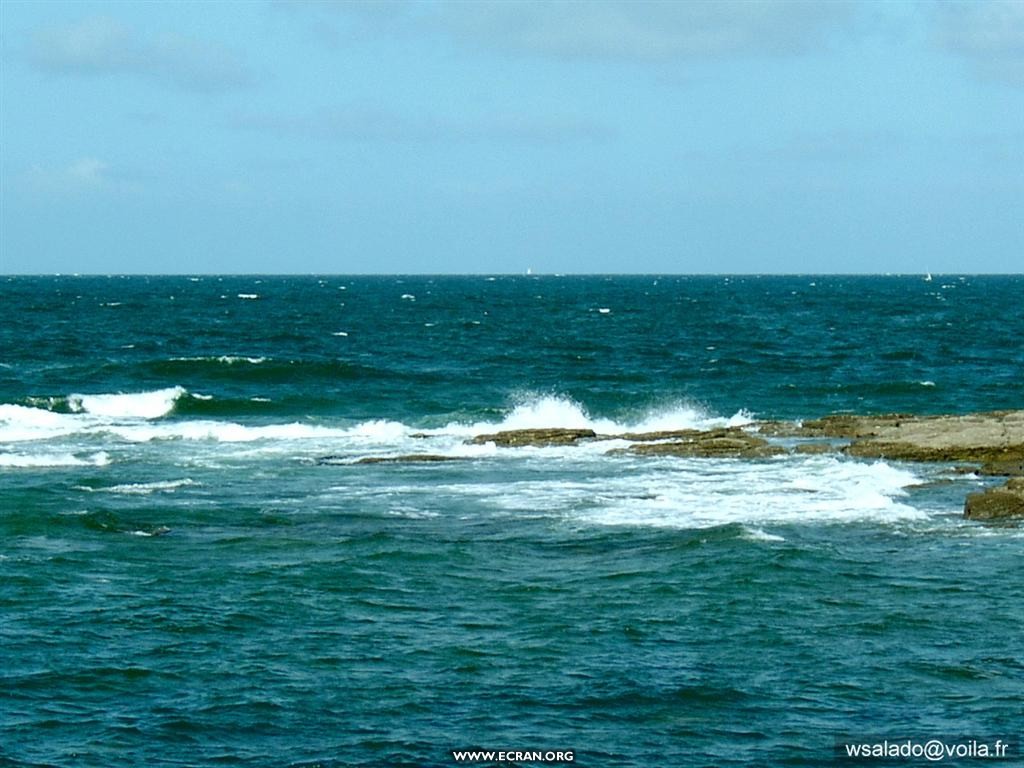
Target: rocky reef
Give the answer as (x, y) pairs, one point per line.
(989, 444)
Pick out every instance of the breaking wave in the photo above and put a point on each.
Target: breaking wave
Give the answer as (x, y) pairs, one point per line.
(138, 405)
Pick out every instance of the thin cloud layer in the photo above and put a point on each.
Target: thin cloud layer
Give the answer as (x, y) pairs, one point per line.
(83, 176)
(641, 30)
(99, 46)
(648, 30)
(989, 35)
(370, 123)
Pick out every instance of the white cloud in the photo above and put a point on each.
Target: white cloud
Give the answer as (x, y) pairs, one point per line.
(989, 35)
(88, 171)
(104, 46)
(86, 175)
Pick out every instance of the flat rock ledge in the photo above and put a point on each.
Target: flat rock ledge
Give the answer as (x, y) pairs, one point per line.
(1007, 501)
(993, 440)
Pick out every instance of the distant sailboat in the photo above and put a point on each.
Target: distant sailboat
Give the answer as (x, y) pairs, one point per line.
(529, 270)
(928, 277)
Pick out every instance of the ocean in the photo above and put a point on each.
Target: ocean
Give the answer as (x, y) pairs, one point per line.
(198, 568)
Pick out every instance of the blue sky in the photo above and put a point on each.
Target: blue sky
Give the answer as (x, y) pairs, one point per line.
(431, 137)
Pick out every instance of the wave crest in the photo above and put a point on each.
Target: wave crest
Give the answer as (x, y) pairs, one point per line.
(136, 405)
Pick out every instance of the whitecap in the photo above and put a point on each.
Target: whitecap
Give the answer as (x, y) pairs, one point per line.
(42, 460)
(145, 489)
(248, 295)
(232, 359)
(141, 405)
(760, 534)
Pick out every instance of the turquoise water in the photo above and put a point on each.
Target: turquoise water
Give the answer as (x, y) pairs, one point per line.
(184, 582)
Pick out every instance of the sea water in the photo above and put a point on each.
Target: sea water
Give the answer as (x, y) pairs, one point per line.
(197, 569)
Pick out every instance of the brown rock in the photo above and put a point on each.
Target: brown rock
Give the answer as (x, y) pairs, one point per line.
(717, 446)
(411, 458)
(938, 451)
(997, 503)
(534, 437)
(985, 438)
(665, 434)
(813, 448)
(851, 426)
(1011, 468)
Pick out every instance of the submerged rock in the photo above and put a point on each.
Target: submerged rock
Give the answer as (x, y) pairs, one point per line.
(411, 458)
(1007, 501)
(814, 448)
(515, 438)
(408, 458)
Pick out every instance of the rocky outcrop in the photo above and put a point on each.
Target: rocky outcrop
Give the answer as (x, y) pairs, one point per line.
(720, 444)
(1006, 501)
(995, 440)
(1003, 468)
(517, 438)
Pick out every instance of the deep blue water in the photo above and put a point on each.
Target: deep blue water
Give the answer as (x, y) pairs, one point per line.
(184, 583)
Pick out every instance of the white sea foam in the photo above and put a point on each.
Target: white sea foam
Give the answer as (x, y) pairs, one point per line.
(227, 359)
(785, 490)
(22, 460)
(19, 423)
(145, 489)
(563, 412)
(248, 295)
(703, 493)
(137, 405)
(232, 359)
(759, 534)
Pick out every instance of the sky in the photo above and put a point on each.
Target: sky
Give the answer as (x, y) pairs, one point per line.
(500, 137)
